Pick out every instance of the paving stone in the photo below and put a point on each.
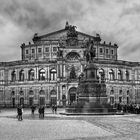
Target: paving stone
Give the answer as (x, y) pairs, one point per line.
(60, 127)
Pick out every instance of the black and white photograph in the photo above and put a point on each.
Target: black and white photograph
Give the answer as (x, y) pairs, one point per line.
(69, 69)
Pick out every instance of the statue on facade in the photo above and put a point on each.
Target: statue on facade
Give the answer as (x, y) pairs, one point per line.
(36, 37)
(73, 73)
(90, 53)
(60, 53)
(81, 76)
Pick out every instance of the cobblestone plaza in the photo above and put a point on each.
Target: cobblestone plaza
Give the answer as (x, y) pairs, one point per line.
(60, 127)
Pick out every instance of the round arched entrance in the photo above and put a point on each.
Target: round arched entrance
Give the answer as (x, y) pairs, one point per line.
(53, 95)
(72, 94)
(13, 98)
(42, 97)
(21, 100)
(31, 98)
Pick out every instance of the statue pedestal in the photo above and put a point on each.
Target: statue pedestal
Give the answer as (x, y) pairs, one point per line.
(91, 92)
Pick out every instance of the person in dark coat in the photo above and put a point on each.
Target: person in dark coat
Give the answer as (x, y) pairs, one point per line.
(39, 111)
(20, 112)
(33, 109)
(42, 111)
(55, 108)
(52, 108)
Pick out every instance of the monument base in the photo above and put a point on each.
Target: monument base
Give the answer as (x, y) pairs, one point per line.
(93, 107)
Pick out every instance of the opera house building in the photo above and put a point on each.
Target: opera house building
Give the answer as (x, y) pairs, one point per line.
(50, 66)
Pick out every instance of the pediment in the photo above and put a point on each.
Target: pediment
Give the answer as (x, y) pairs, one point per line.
(55, 35)
(62, 34)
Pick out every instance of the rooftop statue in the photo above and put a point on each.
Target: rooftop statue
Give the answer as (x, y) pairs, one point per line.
(60, 53)
(72, 35)
(71, 30)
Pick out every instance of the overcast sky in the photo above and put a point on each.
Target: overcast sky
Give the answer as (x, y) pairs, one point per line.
(118, 21)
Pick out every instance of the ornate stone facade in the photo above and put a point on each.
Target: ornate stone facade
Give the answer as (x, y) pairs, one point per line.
(50, 67)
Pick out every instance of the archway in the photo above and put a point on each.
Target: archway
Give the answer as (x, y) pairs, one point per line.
(42, 97)
(22, 101)
(31, 75)
(42, 74)
(101, 74)
(53, 95)
(13, 76)
(13, 98)
(21, 75)
(72, 94)
(73, 56)
(31, 98)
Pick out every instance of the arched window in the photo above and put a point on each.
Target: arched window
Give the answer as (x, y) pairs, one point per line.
(31, 92)
(13, 76)
(120, 92)
(42, 92)
(53, 74)
(119, 75)
(72, 56)
(31, 97)
(127, 75)
(112, 100)
(42, 74)
(102, 74)
(111, 74)
(13, 98)
(21, 93)
(128, 92)
(128, 98)
(21, 75)
(112, 91)
(13, 93)
(31, 75)
(72, 94)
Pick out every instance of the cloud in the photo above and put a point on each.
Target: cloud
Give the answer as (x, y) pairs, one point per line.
(117, 21)
(40, 14)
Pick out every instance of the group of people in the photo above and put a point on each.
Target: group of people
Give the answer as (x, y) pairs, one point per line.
(54, 108)
(41, 111)
(128, 108)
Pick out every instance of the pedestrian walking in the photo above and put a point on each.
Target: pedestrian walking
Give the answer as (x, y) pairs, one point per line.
(55, 108)
(42, 111)
(33, 108)
(39, 111)
(20, 112)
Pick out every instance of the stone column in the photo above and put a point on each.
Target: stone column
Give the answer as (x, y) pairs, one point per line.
(58, 94)
(17, 74)
(58, 75)
(64, 70)
(26, 74)
(36, 71)
(48, 73)
(60, 70)
(81, 68)
(36, 52)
